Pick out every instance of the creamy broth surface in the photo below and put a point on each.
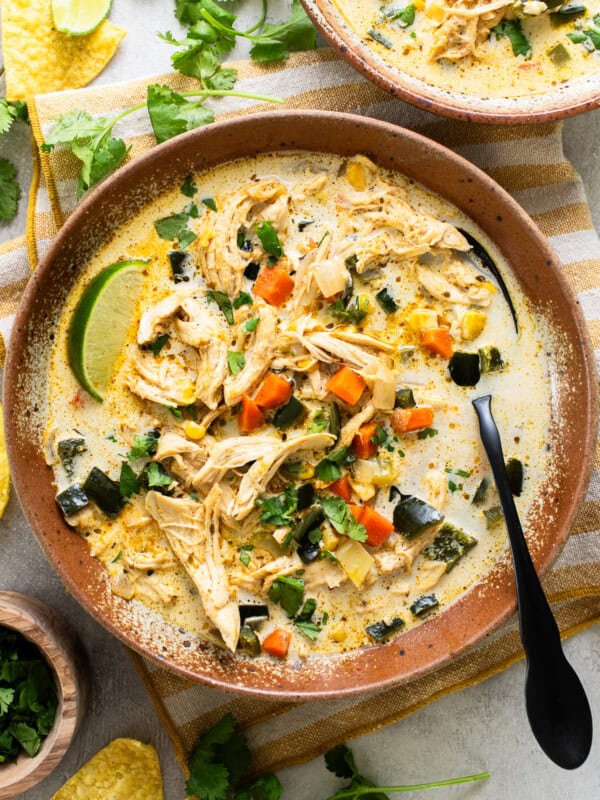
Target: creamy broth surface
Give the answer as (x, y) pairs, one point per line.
(489, 66)
(443, 464)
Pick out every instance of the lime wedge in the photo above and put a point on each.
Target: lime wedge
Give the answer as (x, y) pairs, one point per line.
(100, 323)
(79, 17)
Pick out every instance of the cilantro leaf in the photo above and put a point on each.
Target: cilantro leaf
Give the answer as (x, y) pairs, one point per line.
(175, 227)
(338, 514)
(210, 778)
(278, 510)
(236, 361)
(340, 761)
(128, 481)
(354, 312)
(224, 303)
(251, 324)
(6, 697)
(319, 422)
(171, 114)
(276, 42)
(156, 476)
(222, 80)
(269, 238)
(520, 44)
(157, 345)
(144, 445)
(243, 299)
(10, 191)
(266, 787)
(188, 187)
(28, 737)
(8, 115)
(288, 592)
(328, 470)
(78, 126)
(310, 629)
(245, 551)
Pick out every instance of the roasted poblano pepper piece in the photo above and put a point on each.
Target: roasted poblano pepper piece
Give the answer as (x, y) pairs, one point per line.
(67, 450)
(386, 301)
(404, 398)
(306, 496)
(104, 492)
(381, 630)
(481, 492)
(252, 613)
(515, 474)
(248, 641)
(423, 605)
(464, 368)
(449, 545)
(335, 424)
(493, 516)
(413, 516)
(566, 14)
(490, 359)
(72, 500)
(311, 521)
(180, 262)
(291, 412)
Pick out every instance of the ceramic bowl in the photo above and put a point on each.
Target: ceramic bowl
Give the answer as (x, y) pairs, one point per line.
(46, 629)
(487, 603)
(556, 102)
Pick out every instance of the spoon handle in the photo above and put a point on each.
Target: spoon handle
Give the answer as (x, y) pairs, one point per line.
(539, 631)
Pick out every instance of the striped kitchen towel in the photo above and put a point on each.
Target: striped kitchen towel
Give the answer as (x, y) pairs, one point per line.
(529, 162)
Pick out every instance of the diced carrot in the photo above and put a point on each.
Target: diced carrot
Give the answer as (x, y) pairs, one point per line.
(342, 488)
(274, 392)
(362, 446)
(378, 527)
(404, 420)
(277, 643)
(439, 341)
(346, 385)
(274, 285)
(251, 417)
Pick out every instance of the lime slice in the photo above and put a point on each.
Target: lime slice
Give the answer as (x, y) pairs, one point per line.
(100, 323)
(79, 17)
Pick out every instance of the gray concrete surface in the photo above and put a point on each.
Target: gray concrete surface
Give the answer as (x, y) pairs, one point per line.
(483, 727)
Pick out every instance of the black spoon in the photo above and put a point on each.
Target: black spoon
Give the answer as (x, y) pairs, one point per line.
(557, 706)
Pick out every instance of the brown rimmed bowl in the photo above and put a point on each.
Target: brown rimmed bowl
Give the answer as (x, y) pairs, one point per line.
(487, 603)
(556, 102)
(41, 625)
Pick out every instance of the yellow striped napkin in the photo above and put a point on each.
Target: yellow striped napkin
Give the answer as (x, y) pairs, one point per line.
(529, 162)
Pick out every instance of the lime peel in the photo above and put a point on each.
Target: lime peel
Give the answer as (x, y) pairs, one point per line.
(79, 17)
(100, 323)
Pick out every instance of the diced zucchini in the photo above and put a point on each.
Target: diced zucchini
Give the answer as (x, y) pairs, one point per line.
(472, 324)
(515, 474)
(354, 560)
(293, 411)
(404, 398)
(481, 492)
(306, 496)
(424, 605)
(252, 613)
(386, 301)
(493, 516)
(381, 630)
(72, 500)
(559, 55)
(464, 368)
(104, 492)
(67, 450)
(312, 520)
(248, 641)
(449, 545)
(490, 359)
(413, 516)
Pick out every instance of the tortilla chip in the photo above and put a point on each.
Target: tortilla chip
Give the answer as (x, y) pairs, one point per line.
(124, 770)
(4, 473)
(39, 59)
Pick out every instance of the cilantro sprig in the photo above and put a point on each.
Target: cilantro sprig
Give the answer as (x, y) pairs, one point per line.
(222, 758)
(10, 191)
(341, 518)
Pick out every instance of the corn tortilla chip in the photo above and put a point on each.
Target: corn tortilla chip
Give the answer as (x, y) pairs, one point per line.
(124, 770)
(39, 59)
(4, 473)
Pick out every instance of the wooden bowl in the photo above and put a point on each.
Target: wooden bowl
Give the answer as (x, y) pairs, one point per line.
(565, 99)
(572, 384)
(46, 629)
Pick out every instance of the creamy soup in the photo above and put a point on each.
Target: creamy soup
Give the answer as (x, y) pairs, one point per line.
(489, 49)
(288, 428)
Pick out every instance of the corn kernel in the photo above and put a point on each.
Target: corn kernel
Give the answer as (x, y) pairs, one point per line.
(356, 176)
(187, 391)
(419, 5)
(364, 304)
(206, 235)
(193, 430)
(490, 287)
(435, 12)
(339, 633)
(472, 324)
(330, 539)
(423, 319)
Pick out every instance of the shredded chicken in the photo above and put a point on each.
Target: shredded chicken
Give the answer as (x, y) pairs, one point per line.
(258, 354)
(465, 27)
(193, 532)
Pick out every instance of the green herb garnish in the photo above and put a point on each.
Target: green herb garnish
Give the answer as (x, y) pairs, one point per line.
(236, 361)
(340, 517)
(224, 303)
